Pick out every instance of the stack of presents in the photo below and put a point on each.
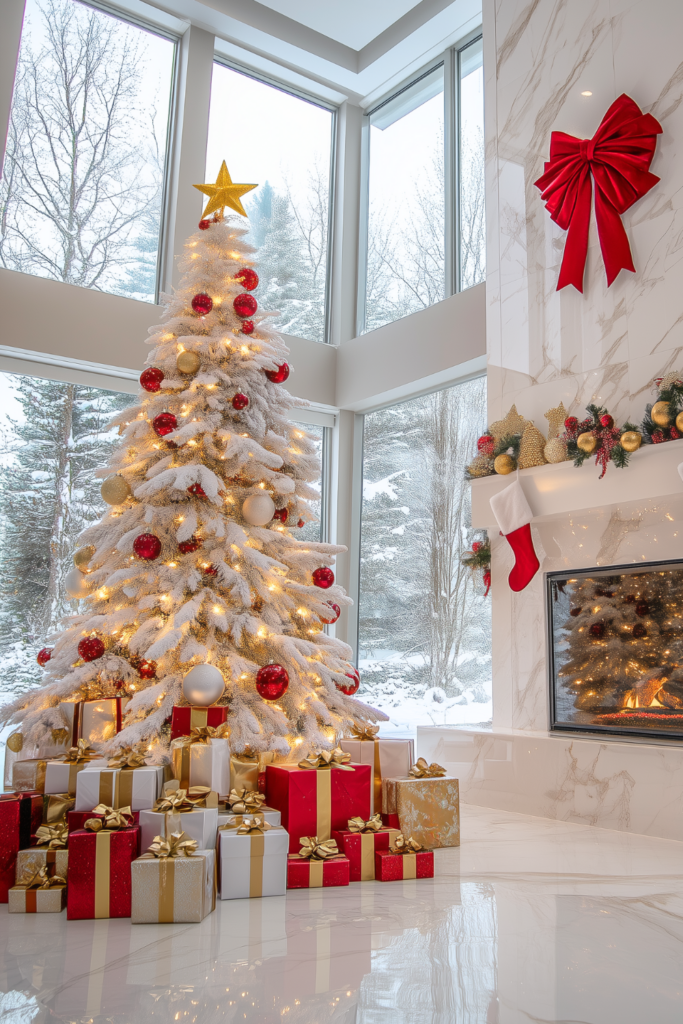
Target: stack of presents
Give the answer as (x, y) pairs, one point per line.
(118, 837)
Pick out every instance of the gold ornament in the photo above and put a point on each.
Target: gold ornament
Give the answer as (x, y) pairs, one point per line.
(513, 423)
(481, 465)
(631, 440)
(555, 450)
(679, 423)
(504, 464)
(556, 418)
(224, 193)
(661, 414)
(587, 443)
(115, 490)
(531, 448)
(83, 556)
(188, 362)
(15, 742)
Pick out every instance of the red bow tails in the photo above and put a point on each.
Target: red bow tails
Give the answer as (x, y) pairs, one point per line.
(618, 156)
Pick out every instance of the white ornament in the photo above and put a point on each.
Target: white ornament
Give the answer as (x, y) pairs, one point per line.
(203, 685)
(258, 509)
(76, 584)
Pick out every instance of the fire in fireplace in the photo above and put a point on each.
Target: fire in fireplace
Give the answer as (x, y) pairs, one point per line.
(616, 650)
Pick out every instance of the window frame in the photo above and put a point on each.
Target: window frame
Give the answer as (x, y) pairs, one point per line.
(450, 60)
(315, 101)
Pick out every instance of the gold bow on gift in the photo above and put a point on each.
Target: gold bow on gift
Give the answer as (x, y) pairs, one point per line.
(310, 847)
(252, 825)
(56, 836)
(364, 731)
(111, 819)
(203, 734)
(82, 752)
(183, 799)
(56, 807)
(422, 770)
(177, 845)
(403, 845)
(41, 880)
(247, 801)
(127, 757)
(373, 824)
(336, 758)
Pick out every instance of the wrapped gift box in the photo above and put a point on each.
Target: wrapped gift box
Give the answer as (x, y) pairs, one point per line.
(247, 770)
(17, 750)
(100, 873)
(393, 867)
(76, 820)
(96, 721)
(20, 818)
(31, 860)
(252, 864)
(389, 758)
(56, 807)
(199, 824)
(360, 849)
(168, 889)
(317, 801)
(269, 814)
(137, 788)
(306, 873)
(47, 776)
(185, 719)
(427, 809)
(37, 901)
(202, 764)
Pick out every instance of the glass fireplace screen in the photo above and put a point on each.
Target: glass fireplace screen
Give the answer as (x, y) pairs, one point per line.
(616, 642)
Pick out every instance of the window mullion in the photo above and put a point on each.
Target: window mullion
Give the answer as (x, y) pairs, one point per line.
(451, 175)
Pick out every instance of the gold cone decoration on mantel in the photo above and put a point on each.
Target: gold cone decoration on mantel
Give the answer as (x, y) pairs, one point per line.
(531, 448)
(513, 423)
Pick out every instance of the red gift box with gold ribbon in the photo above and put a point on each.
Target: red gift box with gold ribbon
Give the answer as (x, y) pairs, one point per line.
(361, 845)
(305, 873)
(185, 719)
(100, 873)
(21, 815)
(316, 801)
(393, 867)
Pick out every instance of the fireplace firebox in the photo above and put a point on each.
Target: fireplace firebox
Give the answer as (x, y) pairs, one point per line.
(616, 650)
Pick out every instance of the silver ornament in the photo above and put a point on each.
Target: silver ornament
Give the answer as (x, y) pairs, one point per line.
(258, 509)
(203, 685)
(77, 585)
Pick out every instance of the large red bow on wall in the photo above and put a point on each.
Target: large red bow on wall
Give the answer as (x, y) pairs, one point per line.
(618, 156)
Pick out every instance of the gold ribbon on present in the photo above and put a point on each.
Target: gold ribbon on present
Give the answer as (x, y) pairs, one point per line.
(408, 848)
(373, 824)
(245, 767)
(55, 807)
(323, 762)
(128, 758)
(316, 853)
(55, 836)
(253, 825)
(181, 800)
(41, 880)
(178, 844)
(81, 752)
(323, 759)
(365, 732)
(181, 746)
(422, 770)
(111, 821)
(246, 801)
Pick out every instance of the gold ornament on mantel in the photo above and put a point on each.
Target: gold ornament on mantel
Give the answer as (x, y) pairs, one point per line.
(504, 464)
(188, 362)
(513, 423)
(587, 442)
(115, 490)
(661, 414)
(679, 423)
(556, 418)
(555, 450)
(82, 557)
(531, 448)
(631, 440)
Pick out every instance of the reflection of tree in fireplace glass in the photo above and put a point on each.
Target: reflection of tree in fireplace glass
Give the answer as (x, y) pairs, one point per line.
(618, 650)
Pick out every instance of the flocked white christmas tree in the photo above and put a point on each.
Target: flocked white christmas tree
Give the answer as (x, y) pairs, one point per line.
(197, 562)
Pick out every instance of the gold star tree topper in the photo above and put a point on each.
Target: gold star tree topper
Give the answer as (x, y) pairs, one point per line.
(223, 193)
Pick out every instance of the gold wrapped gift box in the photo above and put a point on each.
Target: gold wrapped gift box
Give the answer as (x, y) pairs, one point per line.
(180, 889)
(30, 861)
(36, 901)
(428, 809)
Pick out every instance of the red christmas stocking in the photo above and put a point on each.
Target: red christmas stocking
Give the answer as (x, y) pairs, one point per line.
(514, 516)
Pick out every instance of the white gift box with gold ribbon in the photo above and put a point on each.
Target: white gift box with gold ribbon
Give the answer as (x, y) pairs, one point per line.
(200, 824)
(137, 788)
(252, 864)
(389, 758)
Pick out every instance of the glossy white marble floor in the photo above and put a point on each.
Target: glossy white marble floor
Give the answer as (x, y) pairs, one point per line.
(531, 920)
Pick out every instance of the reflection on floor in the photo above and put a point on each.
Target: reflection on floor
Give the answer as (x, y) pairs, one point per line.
(531, 920)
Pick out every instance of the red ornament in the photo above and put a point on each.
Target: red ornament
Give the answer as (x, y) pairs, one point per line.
(151, 378)
(204, 224)
(210, 570)
(607, 421)
(278, 376)
(673, 434)
(336, 612)
(323, 577)
(44, 656)
(300, 523)
(657, 436)
(597, 629)
(197, 490)
(272, 682)
(147, 546)
(575, 612)
(245, 304)
(202, 304)
(281, 514)
(639, 631)
(571, 423)
(90, 648)
(164, 423)
(486, 444)
(240, 401)
(350, 688)
(642, 609)
(186, 546)
(621, 151)
(247, 327)
(477, 546)
(147, 669)
(248, 278)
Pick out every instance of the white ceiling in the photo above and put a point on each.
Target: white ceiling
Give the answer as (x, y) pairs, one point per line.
(354, 23)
